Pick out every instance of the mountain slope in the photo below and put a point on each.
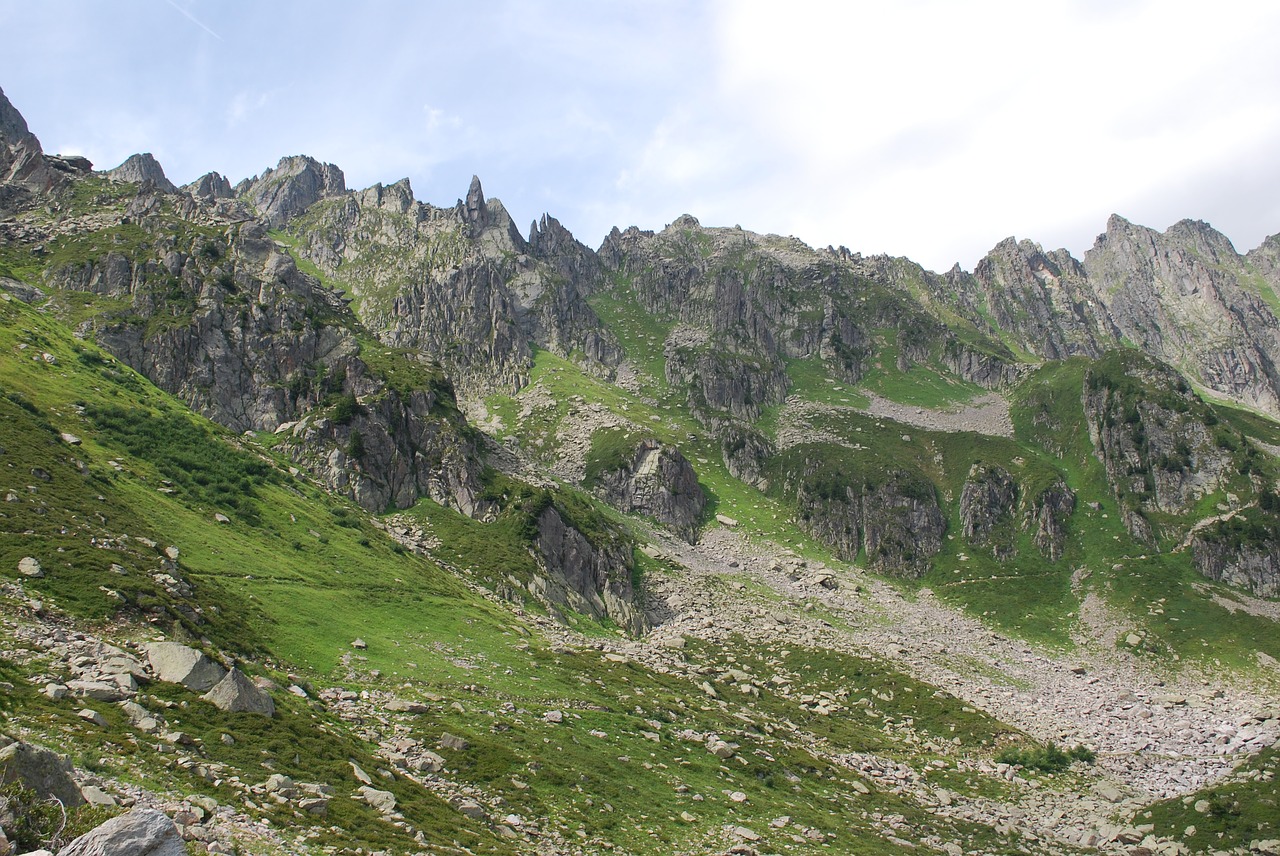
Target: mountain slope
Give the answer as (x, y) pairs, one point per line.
(704, 541)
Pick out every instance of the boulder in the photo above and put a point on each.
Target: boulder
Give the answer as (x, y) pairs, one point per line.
(29, 566)
(45, 772)
(383, 801)
(178, 664)
(141, 832)
(237, 694)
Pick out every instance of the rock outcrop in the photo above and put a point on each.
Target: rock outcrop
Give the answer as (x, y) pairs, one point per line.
(44, 771)
(746, 454)
(657, 481)
(1243, 551)
(291, 188)
(1149, 430)
(1046, 514)
(1041, 300)
(592, 577)
(233, 328)
(235, 693)
(459, 284)
(179, 664)
(1186, 297)
(141, 832)
(22, 160)
(987, 503)
(890, 518)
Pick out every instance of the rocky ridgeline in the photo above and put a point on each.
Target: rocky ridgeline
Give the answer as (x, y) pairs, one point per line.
(1184, 296)
(459, 283)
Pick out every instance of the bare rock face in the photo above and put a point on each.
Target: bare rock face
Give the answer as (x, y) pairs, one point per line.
(295, 185)
(1041, 299)
(990, 368)
(45, 772)
(1186, 297)
(210, 187)
(724, 386)
(1046, 514)
(568, 257)
(656, 481)
(1149, 430)
(22, 160)
(141, 832)
(179, 664)
(460, 283)
(142, 168)
(987, 502)
(235, 693)
(746, 454)
(893, 517)
(593, 578)
(264, 345)
(1241, 552)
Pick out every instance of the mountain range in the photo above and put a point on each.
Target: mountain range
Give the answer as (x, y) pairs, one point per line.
(336, 521)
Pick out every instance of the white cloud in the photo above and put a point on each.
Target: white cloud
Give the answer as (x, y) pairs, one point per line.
(924, 128)
(917, 127)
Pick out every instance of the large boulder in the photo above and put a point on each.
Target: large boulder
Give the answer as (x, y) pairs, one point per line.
(178, 664)
(141, 832)
(235, 693)
(45, 772)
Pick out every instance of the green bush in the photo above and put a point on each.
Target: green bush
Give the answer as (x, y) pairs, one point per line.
(1047, 759)
(39, 823)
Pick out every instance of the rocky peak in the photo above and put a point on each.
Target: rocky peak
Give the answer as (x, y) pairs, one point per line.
(547, 236)
(552, 243)
(396, 198)
(21, 158)
(1041, 298)
(141, 168)
(685, 221)
(1204, 240)
(210, 186)
(1265, 259)
(473, 209)
(297, 183)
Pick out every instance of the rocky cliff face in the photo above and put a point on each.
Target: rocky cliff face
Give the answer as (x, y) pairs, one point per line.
(1243, 551)
(1183, 296)
(1046, 514)
(1149, 430)
(656, 481)
(987, 503)
(458, 283)
(746, 454)
(223, 319)
(1041, 300)
(590, 578)
(994, 506)
(24, 168)
(891, 518)
(292, 187)
(1187, 298)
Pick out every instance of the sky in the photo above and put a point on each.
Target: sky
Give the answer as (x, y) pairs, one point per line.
(923, 128)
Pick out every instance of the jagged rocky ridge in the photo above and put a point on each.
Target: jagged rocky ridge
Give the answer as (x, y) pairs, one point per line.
(192, 290)
(219, 313)
(1184, 296)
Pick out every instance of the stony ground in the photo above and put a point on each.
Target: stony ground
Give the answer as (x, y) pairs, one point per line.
(1156, 735)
